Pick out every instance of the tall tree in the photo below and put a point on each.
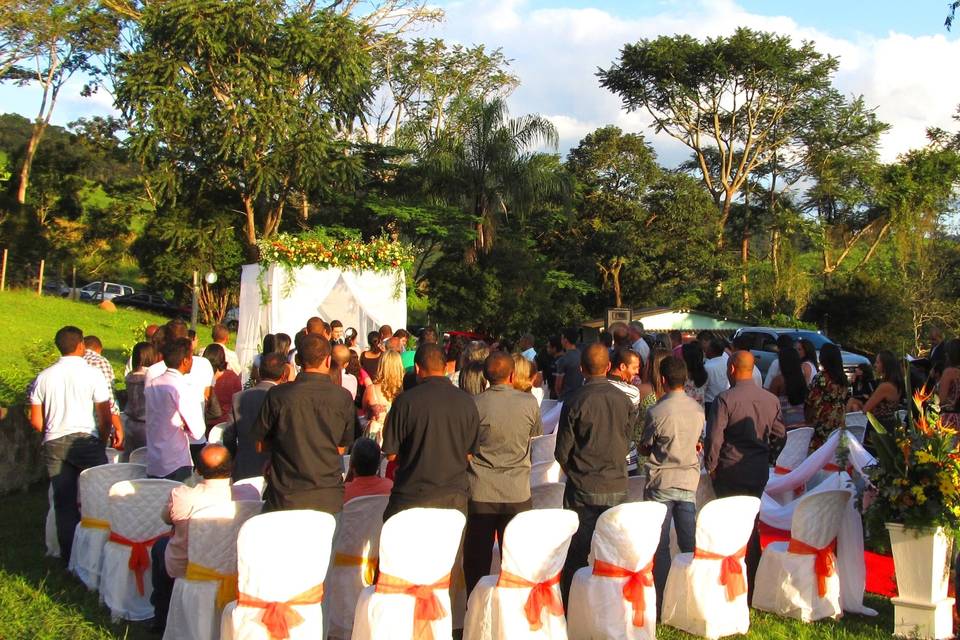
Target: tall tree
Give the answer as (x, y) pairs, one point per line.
(731, 94)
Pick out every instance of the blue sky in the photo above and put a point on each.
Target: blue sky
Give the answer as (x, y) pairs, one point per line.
(895, 53)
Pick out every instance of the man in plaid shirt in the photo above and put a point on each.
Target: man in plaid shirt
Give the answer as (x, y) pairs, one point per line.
(92, 356)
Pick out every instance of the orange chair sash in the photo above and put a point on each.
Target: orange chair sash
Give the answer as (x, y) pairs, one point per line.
(368, 565)
(781, 471)
(280, 617)
(541, 596)
(427, 607)
(825, 564)
(139, 556)
(633, 588)
(831, 467)
(731, 570)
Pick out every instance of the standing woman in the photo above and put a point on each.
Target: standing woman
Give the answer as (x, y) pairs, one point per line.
(948, 389)
(370, 359)
(379, 396)
(652, 388)
(134, 411)
(226, 384)
(790, 386)
(825, 408)
(696, 373)
(808, 359)
(888, 398)
(268, 342)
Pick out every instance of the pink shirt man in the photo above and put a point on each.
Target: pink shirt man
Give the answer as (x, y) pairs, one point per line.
(174, 412)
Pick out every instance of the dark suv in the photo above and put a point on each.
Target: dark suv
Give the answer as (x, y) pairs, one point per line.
(763, 345)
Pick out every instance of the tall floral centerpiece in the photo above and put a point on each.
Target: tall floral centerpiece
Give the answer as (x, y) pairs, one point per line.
(917, 497)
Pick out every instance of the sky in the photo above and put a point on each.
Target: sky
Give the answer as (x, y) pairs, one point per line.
(896, 53)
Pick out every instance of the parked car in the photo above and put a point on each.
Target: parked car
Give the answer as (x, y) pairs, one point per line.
(91, 292)
(151, 302)
(763, 346)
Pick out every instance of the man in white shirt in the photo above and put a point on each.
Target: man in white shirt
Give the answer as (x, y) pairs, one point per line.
(624, 367)
(174, 415)
(639, 344)
(70, 405)
(220, 336)
(716, 366)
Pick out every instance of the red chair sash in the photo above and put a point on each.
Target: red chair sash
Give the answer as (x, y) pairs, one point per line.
(633, 588)
(139, 554)
(825, 564)
(541, 596)
(427, 607)
(280, 617)
(731, 570)
(781, 471)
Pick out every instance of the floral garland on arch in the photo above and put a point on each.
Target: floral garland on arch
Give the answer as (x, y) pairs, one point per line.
(380, 255)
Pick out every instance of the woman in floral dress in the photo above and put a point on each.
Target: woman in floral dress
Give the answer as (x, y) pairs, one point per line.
(825, 408)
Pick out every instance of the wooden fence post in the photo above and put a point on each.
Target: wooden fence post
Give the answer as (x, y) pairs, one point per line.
(40, 280)
(3, 271)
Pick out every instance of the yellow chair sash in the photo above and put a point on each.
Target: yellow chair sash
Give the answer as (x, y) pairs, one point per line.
(369, 565)
(227, 589)
(94, 523)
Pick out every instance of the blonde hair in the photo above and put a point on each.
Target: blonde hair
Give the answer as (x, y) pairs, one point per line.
(390, 374)
(523, 373)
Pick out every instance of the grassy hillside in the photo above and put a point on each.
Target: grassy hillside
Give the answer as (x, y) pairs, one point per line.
(30, 322)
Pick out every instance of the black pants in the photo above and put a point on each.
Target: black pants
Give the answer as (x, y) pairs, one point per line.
(484, 519)
(161, 581)
(65, 458)
(725, 489)
(588, 507)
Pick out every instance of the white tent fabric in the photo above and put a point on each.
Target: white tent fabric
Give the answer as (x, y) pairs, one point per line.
(275, 300)
(850, 565)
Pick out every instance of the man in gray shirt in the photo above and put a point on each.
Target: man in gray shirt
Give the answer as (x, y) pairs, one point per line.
(499, 472)
(671, 440)
(248, 462)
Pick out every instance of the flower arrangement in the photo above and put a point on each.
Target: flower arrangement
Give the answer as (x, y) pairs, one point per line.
(379, 254)
(917, 476)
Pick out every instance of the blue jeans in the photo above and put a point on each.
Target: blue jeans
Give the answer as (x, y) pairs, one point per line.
(682, 512)
(161, 581)
(588, 507)
(65, 458)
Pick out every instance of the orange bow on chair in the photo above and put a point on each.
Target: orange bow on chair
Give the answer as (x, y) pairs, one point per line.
(825, 564)
(731, 570)
(427, 607)
(541, 596)
(139, 556)
(633, 588)
(781, 471)
(280, 617)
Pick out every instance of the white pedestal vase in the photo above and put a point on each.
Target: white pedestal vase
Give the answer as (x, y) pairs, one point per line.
(921, 560)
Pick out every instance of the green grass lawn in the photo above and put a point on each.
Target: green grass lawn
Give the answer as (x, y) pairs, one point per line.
(38, 599)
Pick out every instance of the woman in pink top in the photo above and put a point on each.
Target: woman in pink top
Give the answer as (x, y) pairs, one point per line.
(226, 383)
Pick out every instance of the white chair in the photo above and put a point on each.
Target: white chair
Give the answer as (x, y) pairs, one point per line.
(138, 456)
(615, 597)
(548, 495)
(706, 591)
(543, 472)
(798, 579)
(345, 464)
(547, 405)
(354, 562)
(91, 534)
(856, 422)
(635, 488)
(502, 606)
(198, 598)
(417, 551)
(794, 450)
(50, 527)
(282, 560)
(542, 448)
(113, 456)
(257, 482)
(135, 524)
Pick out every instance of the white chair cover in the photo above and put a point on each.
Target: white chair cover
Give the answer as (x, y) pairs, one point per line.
(418, 546)
(50, 527)
(138, 456)
(635, 488)
(856, 422)
(796, 447)
(355, 551)
(694, 599)
(547, 404)
(542, 448)
(135, 513)
(543, 472)
(534, 549)
(91, 534)
(257, 482)
(212, 544)
(548, 495)
(787, 583)
(280, 555)
(113, 457)
(626, 536)
(550, 417)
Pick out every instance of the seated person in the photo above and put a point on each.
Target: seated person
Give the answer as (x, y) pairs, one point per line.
(169, 555)
(364, 465)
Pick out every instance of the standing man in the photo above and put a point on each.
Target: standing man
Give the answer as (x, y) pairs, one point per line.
(936, 355)
(741, 424)
(174, 414)
(568, 377)
(340, 356)
(593, 440)
(624, 368)
(427, 336)
(639, 344)
(70, 406)
(499, 472)
(306, 425)
(93, 356)
(336, 332)
(671, 442)
(716, 366)
(431, 432)
(237, 437)
(221, 335)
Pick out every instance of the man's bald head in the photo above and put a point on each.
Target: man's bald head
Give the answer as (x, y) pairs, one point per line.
(215, 462)
(741, 365)
(595, 360)
(341, 355)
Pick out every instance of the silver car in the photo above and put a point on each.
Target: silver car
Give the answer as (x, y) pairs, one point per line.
(763, 346)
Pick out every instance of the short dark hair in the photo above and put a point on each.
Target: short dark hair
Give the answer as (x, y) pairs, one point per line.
(742, 343)
(716, 346)
(220, 333)
(313, 350)
(272, 366)
(68, 339)
(335, 324)
(385, 331)
(430, 358)
(365, 457)
(315, 324)
(192, 334)
(674, 371)
(220, 471)
(93, 343)
(675, 334)
(403, 334)
(217, 357)
(498, 367)
(606, 338)
(428, 335)
(595, 359)
(624, 355)
(176, 351)
(554, 341)
(143, 355)
(570, 335)
(176, 329)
